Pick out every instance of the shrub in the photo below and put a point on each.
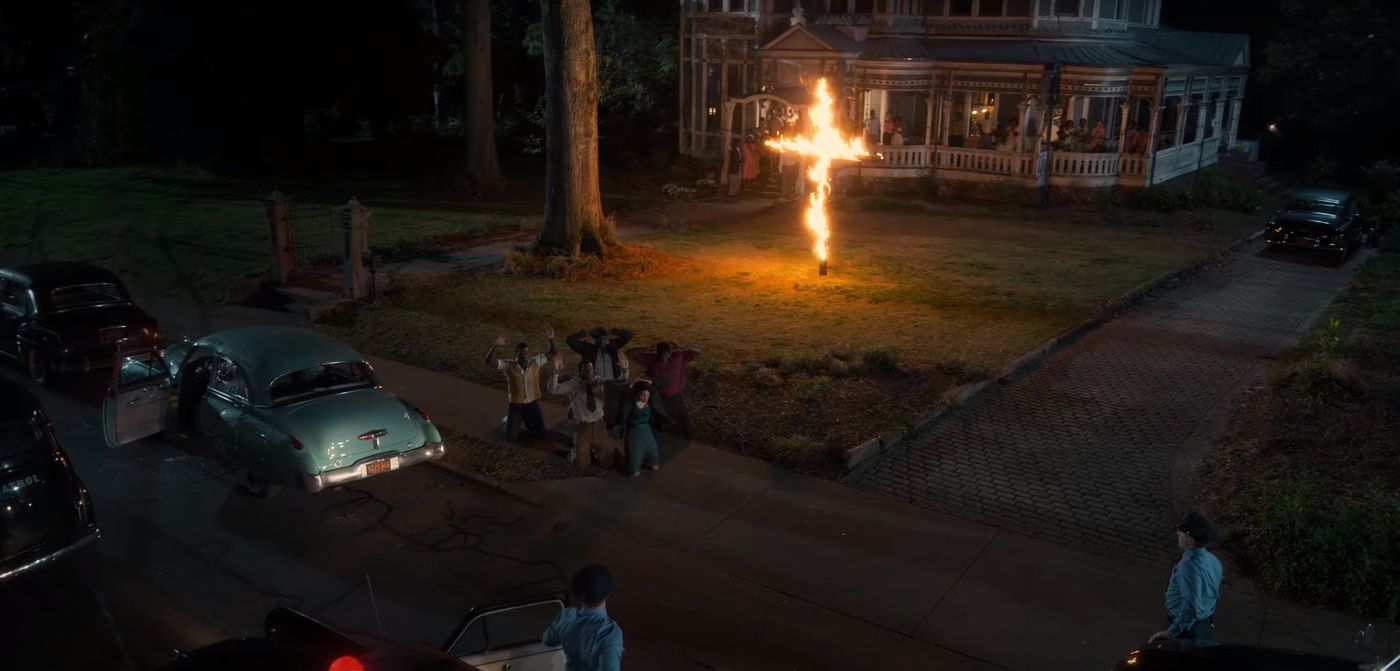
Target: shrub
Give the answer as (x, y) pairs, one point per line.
(881, 359)
(1312, 545)
(807, 362)
(1313, 384)
(1007, 194)
(888, 204)
(962, 371)
(812, 388)
(1168, 197)
(928, 186)
(798, 453)
(1213, 188)
(1329, 339)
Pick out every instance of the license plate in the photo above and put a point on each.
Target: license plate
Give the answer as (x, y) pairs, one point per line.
(1302, 242)
(377, 467)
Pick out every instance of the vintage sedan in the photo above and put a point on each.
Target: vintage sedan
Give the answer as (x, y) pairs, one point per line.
(45, 511)
(285, 406)
(1320, 219)
(64, 316)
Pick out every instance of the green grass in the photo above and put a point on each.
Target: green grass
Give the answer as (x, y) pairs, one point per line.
(194, 235)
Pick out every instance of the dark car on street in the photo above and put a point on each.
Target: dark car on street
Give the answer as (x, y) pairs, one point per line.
(66, 316)
(45, 511)
(1319, 219)
(1185, 656)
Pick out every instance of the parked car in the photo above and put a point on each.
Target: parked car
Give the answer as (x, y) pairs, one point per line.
(63, 316)
(45, 511)
(1170, 655)
(1322, 219)
(286, 406)
(502, 637)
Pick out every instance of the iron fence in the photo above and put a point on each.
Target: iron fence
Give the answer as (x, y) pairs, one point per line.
(317, 236)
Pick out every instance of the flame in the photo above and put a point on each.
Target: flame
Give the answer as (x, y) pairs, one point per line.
(825, 144)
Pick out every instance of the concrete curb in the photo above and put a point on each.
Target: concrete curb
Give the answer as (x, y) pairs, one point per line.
(863, 457)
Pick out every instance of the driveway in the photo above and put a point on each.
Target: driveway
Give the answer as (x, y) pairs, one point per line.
(1094, 449)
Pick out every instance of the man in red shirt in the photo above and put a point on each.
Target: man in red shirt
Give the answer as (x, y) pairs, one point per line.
(665, 365)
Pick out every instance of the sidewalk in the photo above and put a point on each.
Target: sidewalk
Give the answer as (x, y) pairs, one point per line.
(994, 595)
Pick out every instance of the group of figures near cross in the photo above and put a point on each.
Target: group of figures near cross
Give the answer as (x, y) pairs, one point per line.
(614, 416)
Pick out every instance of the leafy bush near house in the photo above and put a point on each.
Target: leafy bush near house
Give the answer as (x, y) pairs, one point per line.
(1216, 189)
(1168, 197)
(880, 359)
(1316, 549)
(799, 453)
(811, 388)
(888, 204)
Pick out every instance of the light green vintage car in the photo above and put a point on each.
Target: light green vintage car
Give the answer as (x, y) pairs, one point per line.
(284, 405)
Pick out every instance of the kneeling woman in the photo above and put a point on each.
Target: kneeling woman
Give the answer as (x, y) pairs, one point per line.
(635, 431)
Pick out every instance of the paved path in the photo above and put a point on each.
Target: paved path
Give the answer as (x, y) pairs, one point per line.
(1082, 450)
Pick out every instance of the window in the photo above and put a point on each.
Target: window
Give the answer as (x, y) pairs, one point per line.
(934, 7)
(19, 435)
(329, 378)
(1192, 116)
(782, 6)
(12, 295)
(1066, 7)
(716, 5)
(1018, 7)
(86, 295)
(1109, 9)
(865, 6)
(228, 380)
(1314, 206)
(960, 8)
(989, 8)
(138, 367)
(1136, 11)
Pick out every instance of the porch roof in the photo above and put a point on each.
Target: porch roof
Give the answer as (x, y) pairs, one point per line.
(1158, 47)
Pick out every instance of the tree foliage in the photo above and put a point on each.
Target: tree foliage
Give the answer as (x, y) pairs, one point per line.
(1332, 74)
(637, 58)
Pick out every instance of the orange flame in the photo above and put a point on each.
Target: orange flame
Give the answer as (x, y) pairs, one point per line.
(825, 144)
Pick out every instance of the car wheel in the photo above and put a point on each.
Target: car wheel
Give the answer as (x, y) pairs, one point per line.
(255, 486)
(36, 366)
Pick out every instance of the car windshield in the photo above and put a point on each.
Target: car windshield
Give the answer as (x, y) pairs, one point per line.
(18, 435)
(1312, 206)
(328, 378)
(85, 295)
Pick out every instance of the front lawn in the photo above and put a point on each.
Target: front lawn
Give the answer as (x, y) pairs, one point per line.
(195, 235)
(798, 367)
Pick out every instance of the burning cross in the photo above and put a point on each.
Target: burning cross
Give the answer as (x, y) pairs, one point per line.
(825, 144)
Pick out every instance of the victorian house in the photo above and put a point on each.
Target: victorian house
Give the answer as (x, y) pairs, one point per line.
(1041, 94)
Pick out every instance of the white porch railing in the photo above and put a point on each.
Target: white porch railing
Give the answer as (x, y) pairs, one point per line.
(987, 161)
(1080, 164)
(1134, 165)
(907, 156)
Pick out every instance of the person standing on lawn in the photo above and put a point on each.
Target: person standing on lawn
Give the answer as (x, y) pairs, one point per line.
(523, 385)
(586, 394)
(634, 429)
(591, 641)
(665, 364)
(1194, 588)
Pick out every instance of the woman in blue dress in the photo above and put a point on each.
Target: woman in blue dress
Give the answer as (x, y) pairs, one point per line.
(635, 431)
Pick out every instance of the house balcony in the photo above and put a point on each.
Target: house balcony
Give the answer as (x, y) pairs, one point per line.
(1031, 168)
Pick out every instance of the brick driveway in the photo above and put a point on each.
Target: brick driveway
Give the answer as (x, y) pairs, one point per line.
(1080, 451)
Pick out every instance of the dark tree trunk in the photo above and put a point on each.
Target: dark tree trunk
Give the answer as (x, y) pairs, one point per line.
(482, 163)
(573, 206)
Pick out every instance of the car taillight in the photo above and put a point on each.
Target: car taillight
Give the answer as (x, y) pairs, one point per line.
(297, 443)
(346, 663)
(424, 414)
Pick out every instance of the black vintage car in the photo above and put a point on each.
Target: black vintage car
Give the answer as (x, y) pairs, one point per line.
(1321, 219)
(45, 511)
(1184, 656)
(63, 316)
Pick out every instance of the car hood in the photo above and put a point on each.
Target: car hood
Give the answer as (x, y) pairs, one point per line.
(330, 427)
(84, 324)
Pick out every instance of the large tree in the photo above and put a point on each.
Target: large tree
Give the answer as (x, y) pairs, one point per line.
(573, 207)
(482, 162)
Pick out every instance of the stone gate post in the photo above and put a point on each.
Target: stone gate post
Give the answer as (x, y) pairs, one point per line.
(354, 218)
(279, 220)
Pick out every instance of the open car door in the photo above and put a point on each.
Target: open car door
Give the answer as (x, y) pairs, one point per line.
(137, 404)
(509, 636)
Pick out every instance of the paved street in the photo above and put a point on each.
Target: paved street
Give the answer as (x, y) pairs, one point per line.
(1083, 451)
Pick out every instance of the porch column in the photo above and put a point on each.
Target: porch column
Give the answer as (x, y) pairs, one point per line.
(1201, 107)
(1233, 131)
(1154, 126)
(1180, 132)
(724, 139)
(928, 126)
(1123, 128)
(967, 117)
(945, 121)
(1023, 121)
